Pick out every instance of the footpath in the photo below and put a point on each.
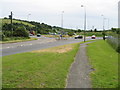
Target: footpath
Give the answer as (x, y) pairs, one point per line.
(79, 72)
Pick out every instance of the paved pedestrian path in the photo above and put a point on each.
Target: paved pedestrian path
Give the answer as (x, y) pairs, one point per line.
(79, 72)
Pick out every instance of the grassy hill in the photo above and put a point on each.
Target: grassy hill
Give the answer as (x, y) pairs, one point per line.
(16, 21)
(37, 27)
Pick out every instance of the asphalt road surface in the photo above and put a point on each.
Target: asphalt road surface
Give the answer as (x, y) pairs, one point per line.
(80, 69)
(41, 43)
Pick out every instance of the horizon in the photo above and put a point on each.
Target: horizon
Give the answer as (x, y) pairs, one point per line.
(57, 26)
(49, 12)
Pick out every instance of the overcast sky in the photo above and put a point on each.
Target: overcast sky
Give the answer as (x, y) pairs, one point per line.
(49, 12)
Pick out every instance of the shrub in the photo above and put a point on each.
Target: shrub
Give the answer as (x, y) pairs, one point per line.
(114, 38)
(21, 32)
(7, 33)
(118, 49)
(1, 36)
(70, 33)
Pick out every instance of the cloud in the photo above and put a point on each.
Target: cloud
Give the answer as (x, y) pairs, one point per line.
(49, 11)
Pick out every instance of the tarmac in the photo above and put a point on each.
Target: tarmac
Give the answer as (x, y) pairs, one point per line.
(80, 69)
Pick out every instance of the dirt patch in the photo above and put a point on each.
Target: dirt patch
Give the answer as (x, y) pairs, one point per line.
(60, 49)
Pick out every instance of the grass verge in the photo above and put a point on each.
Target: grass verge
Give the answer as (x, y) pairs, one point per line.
(10, 40)
(98, 34)
(104, 59)
(57, 36)
(38, 69)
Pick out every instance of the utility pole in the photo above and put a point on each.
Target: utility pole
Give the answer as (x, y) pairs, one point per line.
(10, 17)
(62, 24)
(62, 19)
(119, 14)
(84, 22)
(103, 22)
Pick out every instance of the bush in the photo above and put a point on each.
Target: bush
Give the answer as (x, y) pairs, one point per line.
(7, 33)
(118, 49)
(2, 37)
(70, 33)
(21, 32)
(15, 38)
(89, 33)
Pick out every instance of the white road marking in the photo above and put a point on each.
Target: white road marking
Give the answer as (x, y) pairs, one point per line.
(42, 41)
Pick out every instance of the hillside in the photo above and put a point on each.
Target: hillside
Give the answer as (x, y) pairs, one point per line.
(33, 27)
(16, 21)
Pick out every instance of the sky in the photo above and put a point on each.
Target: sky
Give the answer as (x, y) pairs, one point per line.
(50, 12)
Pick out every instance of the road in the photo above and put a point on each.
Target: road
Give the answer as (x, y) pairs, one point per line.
(41, 43)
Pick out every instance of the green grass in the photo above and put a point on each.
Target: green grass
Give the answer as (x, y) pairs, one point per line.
(104, 59)
(98, 34)
(37, 70)
(16, 21)
(17, 39)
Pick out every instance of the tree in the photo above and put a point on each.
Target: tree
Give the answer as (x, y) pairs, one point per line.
(21, 32)
(79, 30)
(118, 31)
(113, 29)
(70, 33)
(95, 30)
(5, 17)
(6, 27)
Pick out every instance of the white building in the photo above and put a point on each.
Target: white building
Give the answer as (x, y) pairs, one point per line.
(119, 14)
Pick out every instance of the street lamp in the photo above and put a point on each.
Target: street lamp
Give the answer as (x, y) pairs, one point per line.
(84, 21)
(108, 22)
(103, 26)
(62, 19)
(104, 22)
(28, 16)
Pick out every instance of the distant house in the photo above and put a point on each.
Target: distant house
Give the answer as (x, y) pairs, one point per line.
(119, 14)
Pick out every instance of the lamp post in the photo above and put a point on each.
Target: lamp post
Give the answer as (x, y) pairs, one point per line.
(84, 21)
(104, 22)
(28, 16)
(62, 19)
(108, 22)
(103, 27)
(61, 24)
